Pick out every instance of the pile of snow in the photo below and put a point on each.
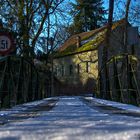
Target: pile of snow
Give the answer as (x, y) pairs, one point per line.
(72, 119)
(23, 107)
(126, 107)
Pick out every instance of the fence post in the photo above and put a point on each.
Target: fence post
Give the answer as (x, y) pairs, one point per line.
(19, 82)
(100, 88)
(128, 78)
(116, 81)
(37, 87)
(8, 78)
(133, 85)
(30, 84)
(107, 84)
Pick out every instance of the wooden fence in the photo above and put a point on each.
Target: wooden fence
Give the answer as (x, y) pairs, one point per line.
(21, 82)
(123, 79)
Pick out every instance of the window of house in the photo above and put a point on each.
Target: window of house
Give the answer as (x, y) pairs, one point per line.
(87, 67)
(71, 69)
(78, 68)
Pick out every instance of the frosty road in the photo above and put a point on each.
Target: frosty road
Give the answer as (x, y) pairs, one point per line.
(71, 118)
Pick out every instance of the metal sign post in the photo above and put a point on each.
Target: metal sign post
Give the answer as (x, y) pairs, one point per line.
(6, 43)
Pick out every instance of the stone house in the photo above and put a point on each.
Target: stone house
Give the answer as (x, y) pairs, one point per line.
(78, 61)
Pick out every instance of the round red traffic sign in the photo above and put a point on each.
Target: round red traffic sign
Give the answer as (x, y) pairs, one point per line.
(6, 43)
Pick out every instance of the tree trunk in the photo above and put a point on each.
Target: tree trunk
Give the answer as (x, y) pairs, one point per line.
(107, 94)
(127, 85)
(126, 25)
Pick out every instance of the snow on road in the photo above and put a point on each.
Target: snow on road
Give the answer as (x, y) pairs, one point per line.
(72, 119)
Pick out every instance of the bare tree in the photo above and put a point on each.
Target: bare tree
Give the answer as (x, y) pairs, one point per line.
(27, 18)
(133, 11)
(126, 25)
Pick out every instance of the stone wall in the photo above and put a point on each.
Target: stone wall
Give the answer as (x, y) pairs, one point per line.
(78, 73)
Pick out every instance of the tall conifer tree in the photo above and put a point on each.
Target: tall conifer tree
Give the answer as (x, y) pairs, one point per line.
(87, 15)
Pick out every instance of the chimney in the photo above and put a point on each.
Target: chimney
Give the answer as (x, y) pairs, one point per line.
(78, 41)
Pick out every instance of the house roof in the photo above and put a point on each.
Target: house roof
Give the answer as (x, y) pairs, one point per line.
(89, 41)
